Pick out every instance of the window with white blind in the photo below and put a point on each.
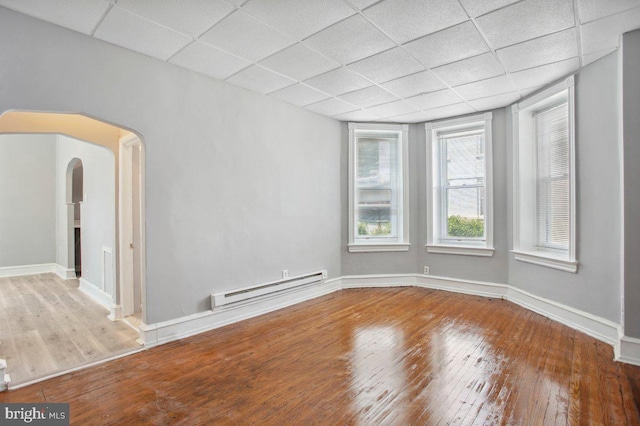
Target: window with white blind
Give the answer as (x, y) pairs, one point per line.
(544, 178)
(459, 196)
(378, 192)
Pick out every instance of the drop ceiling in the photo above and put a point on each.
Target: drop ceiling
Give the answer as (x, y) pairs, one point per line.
(362, 60)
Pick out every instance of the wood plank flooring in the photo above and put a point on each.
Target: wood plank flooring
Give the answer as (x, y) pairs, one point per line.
(47, 325)
(365, 356)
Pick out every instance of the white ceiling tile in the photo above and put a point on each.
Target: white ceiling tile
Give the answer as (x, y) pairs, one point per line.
(592, 57)
(300, 18)
(468, 70)
(392, 109)
(526, 20)
(245, 36)
(358, 115)
(237, 2)
(259, 80)
(545, 74)
(387, 65)
(331, 106)
(133, 32)
(435, 99)
(482, 89)
(338, 81)
(544, 50)
(370, 96)
(192, 17)
(77, 15)
(453, 44)
(299, 94)
(605, 33)
(493, 102)
(414, 84)
(405, 20)
(451, 111)
(299, 62)
(530, 91)
(412, 117)
(208, 60)
(350, 40)
(361, 4)
(591, 10)
(480, 7)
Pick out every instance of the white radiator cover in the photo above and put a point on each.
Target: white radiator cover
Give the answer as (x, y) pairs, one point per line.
(239, 295)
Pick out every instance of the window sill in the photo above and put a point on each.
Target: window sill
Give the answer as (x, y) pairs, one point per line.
(538, 258)
(378, 247)
(460, 250)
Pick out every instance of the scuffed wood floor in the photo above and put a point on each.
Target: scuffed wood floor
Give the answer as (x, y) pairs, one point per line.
(366, 356)
(47, 325)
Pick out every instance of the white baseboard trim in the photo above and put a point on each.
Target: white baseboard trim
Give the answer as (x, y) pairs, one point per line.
(65, 273)
(626, 349)
(167, 331)
(16, 271)
(97, 295)
(629, 350)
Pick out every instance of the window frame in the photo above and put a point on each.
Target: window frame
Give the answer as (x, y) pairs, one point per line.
(525, 227)
(401, 241)
(436, 222)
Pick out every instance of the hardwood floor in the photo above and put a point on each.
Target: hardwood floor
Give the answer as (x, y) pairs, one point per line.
(368, 356)
(47, 325)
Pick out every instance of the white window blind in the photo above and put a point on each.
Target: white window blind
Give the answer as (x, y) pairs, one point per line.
(552, 177)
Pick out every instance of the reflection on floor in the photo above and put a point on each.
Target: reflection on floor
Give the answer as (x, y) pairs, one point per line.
(47, 325)
(398, 356)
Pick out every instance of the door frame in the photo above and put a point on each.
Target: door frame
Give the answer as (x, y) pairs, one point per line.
(126, 227)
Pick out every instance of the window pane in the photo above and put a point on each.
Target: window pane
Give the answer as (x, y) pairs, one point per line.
(465, 212)
(376, 188)
(465, 160)
(552, 178)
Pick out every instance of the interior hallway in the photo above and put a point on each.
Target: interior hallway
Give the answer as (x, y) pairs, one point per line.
(48, 325)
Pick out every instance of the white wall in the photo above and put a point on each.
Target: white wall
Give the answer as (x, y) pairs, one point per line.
(238, 186)
(98, 219)
(27, 200)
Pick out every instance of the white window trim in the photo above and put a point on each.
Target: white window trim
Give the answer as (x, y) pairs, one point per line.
(402, 244)
(469, 248)
(521, 251)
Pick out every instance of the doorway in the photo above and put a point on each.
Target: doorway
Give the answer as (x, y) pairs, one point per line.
(77, 191)
(132, 274)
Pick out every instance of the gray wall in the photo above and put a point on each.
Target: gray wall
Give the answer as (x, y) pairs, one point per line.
(595, 288)
(238, 186)
(631, 146)
(27, 200)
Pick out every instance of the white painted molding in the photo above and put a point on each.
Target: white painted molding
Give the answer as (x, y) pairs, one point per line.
(629, 350)
(364, 248)
(476, 288)
(548, 261)
(65, 273)
(97, 295)
(16, 271)
(460, 250)
(383, 280)
(168, 331)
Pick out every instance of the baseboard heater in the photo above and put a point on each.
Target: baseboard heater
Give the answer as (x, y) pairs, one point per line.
(221, 299)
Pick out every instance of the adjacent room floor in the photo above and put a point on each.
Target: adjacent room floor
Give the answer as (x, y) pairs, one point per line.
(47, 325)
(406, 356)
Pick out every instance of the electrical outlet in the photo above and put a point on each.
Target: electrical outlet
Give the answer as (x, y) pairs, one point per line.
(426, 270)
(285, 273)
